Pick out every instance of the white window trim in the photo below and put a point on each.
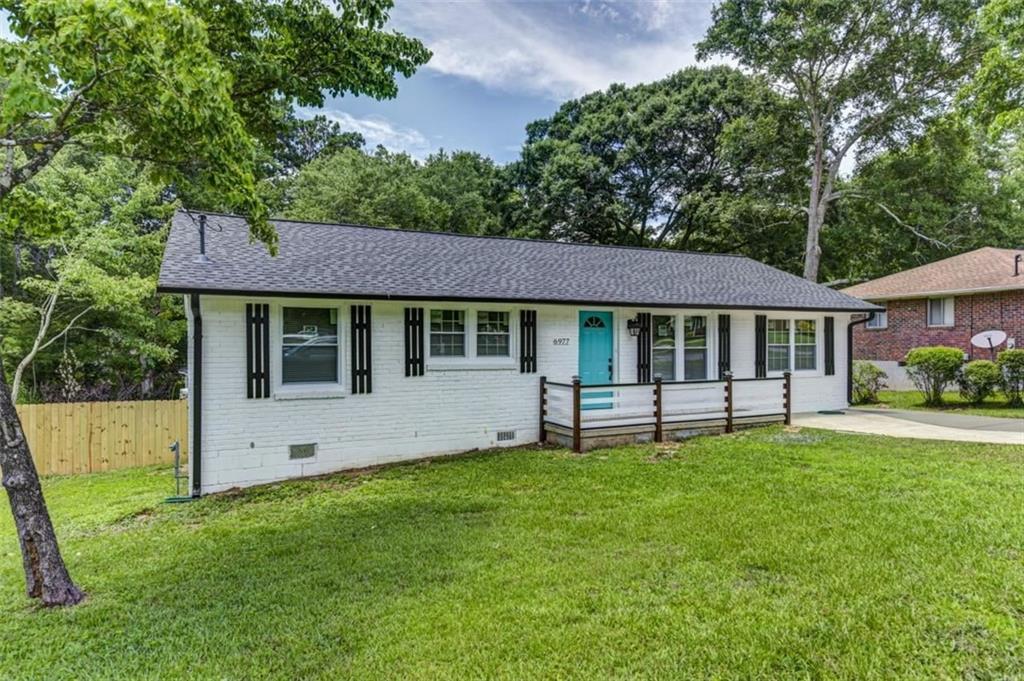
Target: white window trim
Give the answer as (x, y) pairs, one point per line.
(819, 351)
(948, 313)
(678, 318)
(304, 391)
(710, 324)
(470, 361)
(676, 356)
(882, 316)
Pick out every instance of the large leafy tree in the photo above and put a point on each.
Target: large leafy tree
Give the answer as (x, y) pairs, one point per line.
(451, 192)
(660, 164)
(191, 87)
(83, 306)
(996, 94)
(949, 191)
(283, 53)
(865, 75)
(304, 140)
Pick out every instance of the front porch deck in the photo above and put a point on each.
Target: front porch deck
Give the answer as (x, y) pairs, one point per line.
(585, 417)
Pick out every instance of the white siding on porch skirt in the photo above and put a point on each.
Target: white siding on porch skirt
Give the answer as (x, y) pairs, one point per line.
(245, 441)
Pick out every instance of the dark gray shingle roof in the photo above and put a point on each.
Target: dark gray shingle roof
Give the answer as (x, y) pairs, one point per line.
(370, 262)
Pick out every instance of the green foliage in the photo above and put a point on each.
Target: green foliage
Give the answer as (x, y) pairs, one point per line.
(864, 75)
(99, 258)
(996, 94)
(868, 381)
(950, 190)
(297, 52)
(512, 565)
(305, 140)
(659, 164)
(933, 369)
(448, 192)
(194, 88)
(1011, 362)
(979, 380)
(129, 77)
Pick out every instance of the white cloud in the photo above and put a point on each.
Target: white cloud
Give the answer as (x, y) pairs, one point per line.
(556, 50)
(378, 130)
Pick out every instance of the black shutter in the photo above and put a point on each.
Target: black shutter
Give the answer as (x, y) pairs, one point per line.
(257, 350)
(830, 346)
(724, 345)
(760, 346)
(527, 341)
(643, 348)
(362, 362)
(414, 341)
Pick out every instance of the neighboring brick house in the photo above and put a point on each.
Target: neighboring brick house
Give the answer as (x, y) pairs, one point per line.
(942, 303)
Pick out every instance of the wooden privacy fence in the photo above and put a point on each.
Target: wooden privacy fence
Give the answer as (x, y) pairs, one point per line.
(83, 437)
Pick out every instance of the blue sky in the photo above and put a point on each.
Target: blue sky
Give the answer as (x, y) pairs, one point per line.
(500, 64)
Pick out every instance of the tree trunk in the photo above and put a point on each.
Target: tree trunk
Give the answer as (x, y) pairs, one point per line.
(815, 213)
(812, 247)
(46, 576)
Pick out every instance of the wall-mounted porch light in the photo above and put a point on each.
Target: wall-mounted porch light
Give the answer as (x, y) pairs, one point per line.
(633, 325)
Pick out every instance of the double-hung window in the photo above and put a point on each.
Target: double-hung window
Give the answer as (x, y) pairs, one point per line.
(695, 348)
(778, 345)
(940, 312)
(492, 334)
(447, 333)
(664, 350)
(309, 345)
(466, 335)
(792, 343)
(805, 345)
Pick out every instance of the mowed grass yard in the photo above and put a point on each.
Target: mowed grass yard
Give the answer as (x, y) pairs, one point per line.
(951, 402)
(764, 554)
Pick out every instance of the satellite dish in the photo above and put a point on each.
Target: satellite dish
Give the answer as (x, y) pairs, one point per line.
(988, 339)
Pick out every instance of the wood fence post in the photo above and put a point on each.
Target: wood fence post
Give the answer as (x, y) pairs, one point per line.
(658, 436)
(787, 395)
(728, 401)
(577, 439)
(543, 409)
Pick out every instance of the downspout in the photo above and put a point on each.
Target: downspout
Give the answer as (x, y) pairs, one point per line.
(849, 354)
(196, 390)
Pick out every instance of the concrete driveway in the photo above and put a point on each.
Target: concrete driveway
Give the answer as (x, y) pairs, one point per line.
(919, 424)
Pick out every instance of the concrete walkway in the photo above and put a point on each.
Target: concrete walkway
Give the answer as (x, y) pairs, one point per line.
(919, 424)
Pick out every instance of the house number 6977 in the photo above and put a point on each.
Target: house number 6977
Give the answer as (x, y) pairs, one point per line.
(561, 341)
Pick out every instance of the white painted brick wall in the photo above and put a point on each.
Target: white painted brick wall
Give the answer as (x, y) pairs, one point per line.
(245, 441)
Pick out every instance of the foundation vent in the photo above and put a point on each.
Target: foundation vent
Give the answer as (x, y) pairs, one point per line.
(506, 435)
(306, 451)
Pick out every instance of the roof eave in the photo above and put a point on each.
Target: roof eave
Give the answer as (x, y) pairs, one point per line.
(936, 294)
(188, 290)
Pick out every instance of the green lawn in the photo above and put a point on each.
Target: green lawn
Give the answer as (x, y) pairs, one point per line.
(913, 399)
(764, 554)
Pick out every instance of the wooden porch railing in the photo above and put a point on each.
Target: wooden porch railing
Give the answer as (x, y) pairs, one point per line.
(661, 403)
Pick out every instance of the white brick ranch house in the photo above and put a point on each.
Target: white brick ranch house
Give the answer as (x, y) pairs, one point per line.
(357, 346)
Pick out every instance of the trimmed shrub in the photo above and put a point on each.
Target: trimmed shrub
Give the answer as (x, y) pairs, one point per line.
(979, 380)
(933, 370)
(1011, 363)
(868, 380)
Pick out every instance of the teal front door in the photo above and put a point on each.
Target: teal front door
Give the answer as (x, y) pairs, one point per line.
(596, 352)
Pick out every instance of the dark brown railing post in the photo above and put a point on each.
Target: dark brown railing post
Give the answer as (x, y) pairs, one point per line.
(787, 396)
(543, 409)
(728, 401)
(577, 440)
(657, 409)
